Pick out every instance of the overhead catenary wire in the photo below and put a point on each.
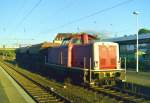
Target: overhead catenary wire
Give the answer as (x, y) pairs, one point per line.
(11, 20)
(90, 15)
(29, 13)
(64, 7)
(35, 6)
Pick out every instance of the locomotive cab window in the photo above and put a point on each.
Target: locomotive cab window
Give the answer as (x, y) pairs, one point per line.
(65, 42)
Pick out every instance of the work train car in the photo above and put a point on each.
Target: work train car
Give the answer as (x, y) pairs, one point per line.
(94, 60)
(33, 57)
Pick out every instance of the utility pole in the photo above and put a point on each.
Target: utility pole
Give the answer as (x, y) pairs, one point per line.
(137, 41)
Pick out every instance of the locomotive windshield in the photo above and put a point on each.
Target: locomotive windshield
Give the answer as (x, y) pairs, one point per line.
(72, 40)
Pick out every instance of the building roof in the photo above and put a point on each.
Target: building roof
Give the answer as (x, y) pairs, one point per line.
(143, 38)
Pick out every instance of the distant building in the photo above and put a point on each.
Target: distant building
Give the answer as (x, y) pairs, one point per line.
(11, 46)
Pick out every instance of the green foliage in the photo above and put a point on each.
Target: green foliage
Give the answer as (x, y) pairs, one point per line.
(8, 53)
(143, 31)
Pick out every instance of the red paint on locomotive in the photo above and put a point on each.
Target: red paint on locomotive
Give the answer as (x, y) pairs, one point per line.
(108, 57)
(103, 55)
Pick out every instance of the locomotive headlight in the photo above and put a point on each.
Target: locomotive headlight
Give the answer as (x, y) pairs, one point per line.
(96, 63)
(119, 64)
(117, 74)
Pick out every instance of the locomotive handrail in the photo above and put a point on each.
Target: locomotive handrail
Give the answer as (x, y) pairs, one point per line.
(86, 69)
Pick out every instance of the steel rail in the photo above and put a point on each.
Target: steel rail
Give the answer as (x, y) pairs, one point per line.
(37, 91)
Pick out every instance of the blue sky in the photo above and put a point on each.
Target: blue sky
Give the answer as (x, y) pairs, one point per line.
(41, 24)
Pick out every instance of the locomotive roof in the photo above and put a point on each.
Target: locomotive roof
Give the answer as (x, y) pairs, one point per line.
(37, 48)
(79, 35)
(63, 35)
(73, 35)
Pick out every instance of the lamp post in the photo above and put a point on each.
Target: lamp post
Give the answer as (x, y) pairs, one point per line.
(137, 41)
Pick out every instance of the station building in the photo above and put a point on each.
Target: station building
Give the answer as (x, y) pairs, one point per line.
(127, 46)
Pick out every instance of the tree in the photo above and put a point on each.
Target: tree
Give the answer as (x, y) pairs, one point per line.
(143, 31)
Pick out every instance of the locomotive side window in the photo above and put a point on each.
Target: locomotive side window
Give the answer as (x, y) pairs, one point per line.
(76, 41)
(91, 41)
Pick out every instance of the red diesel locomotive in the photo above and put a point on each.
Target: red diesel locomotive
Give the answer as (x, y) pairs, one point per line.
(96, 61)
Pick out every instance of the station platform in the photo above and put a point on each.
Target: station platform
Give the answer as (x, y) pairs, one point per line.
(140, 78)
(10, 91)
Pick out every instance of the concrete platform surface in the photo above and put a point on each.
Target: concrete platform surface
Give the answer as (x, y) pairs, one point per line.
(10, 91)
(3, 96)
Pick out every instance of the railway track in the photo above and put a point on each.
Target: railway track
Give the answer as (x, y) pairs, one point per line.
(38, 92)
(122, 96)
